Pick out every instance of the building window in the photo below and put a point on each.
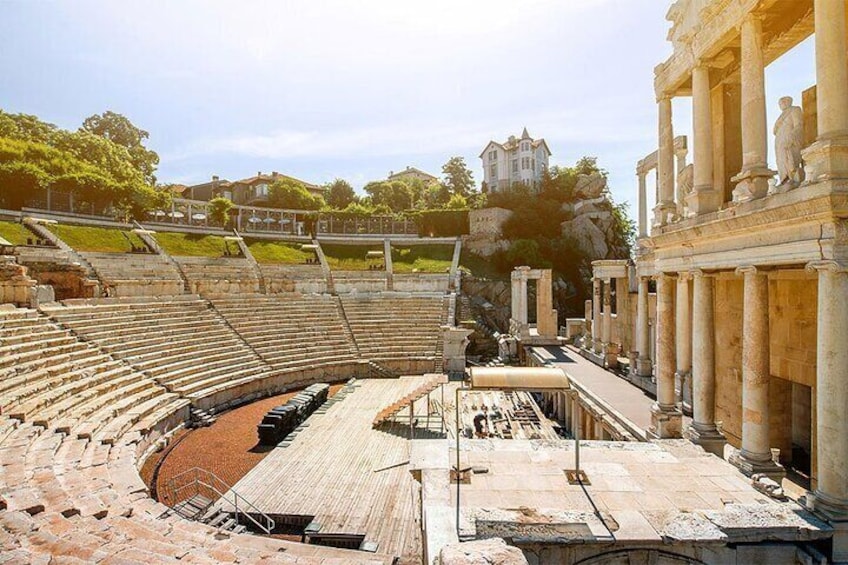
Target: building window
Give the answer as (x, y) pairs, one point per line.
(515, 166)
(228, 194)
(261, 190)
(493, 155)
(533, 165)
(493, 171)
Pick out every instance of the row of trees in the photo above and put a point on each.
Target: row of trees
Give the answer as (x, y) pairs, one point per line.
(454, 192)
(103, 163)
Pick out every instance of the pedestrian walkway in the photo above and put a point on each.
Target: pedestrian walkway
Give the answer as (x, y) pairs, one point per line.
(629, 401)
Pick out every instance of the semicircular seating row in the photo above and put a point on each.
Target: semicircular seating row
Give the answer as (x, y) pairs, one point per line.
(87, 387)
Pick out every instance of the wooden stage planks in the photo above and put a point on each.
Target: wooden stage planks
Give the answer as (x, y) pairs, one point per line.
(353, 479)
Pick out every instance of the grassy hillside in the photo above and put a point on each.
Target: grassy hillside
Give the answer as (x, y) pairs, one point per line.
(422, 258)
(15, 233)
(277, 252)
(191, 244)
(349, 257)
(103, 240)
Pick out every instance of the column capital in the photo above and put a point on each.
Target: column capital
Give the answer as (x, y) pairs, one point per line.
(700, 273)
(749, 270)
(826, 265)
(684, 276)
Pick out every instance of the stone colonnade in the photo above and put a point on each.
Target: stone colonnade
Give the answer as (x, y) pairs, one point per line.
(826, 159)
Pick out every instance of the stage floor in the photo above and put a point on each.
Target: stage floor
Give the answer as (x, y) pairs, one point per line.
(351, 479)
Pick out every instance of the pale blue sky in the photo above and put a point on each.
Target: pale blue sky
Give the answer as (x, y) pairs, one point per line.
(326, 89)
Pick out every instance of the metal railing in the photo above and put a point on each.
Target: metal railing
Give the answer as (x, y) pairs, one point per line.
(197, 481)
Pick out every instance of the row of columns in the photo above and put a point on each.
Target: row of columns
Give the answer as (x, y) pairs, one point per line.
(827, 158)
(601, 321)
(755, 454)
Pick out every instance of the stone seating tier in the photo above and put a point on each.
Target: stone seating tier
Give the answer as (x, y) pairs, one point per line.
(181, 344)
(387, 327)
(133, 274)
(290, 331)
(224, 275)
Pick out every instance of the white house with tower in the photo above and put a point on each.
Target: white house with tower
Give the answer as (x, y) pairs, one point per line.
(521, 160)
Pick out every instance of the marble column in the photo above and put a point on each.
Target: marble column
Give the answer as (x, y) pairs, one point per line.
(643, 331)
(515, 296)
(704, 197)
(610, 350)
(831, 69)
(665, 164)
(597, 332)
(755, 455)
(665, 417)
(683, 342)
(827, 158)
(752, 181)
(643, 205)
(703, 430)
(590, 326)
(831, 494)
(522, 302)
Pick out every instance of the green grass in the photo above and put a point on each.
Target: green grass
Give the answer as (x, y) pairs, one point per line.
(102, 240)
(350, 257)
(191, 244)
(422, 258)
(15, 233)
(277, 252)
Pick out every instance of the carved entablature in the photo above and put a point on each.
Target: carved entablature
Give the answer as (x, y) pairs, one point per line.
(706, 32)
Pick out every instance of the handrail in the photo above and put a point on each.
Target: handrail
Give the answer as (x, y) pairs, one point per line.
(202, 477)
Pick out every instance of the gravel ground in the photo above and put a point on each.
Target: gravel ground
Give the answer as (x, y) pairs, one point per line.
(228, 448)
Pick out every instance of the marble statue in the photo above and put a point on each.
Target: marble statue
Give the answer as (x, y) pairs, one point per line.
(788, 142)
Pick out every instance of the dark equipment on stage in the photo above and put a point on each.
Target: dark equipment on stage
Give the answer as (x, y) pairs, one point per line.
(280, 421)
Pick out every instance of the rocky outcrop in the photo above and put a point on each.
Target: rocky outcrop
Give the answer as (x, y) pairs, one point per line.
(589, 237)
(590, 186)
(492, 551)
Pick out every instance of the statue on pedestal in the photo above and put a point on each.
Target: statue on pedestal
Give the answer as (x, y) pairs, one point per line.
(788, 142)
(685, 185)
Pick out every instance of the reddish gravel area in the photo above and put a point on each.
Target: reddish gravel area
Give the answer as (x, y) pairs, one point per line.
(227, 448)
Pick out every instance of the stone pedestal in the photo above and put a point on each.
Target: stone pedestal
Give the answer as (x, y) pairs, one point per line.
(455, 343)
(666, 422)
(752, 184)
(826, 159)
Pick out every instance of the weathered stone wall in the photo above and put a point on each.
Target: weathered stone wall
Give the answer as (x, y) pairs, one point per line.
(306, 279)
(792, 329)
(420, 282)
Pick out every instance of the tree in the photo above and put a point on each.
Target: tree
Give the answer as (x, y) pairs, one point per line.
(396, 195)
(340, 194)
(457, 202)
(18, 182)
(293, 195)
(458, 177)
(436, 195)
(219, 210)
(121, 131)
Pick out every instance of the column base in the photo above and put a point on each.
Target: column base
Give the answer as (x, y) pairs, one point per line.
(662, 212)
(826, 159)
(836, 513)
(703, 200)
(707, 437)
(666, 422)
(749, 467)
(644, 367)
(611, 351)
(752, 184)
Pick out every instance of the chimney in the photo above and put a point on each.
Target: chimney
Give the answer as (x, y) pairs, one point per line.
(258, 173)
(214, 178)
(275, 174)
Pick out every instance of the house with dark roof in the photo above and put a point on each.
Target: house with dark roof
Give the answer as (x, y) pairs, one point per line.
(517, 160)
(252, 191)
(413, 173)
